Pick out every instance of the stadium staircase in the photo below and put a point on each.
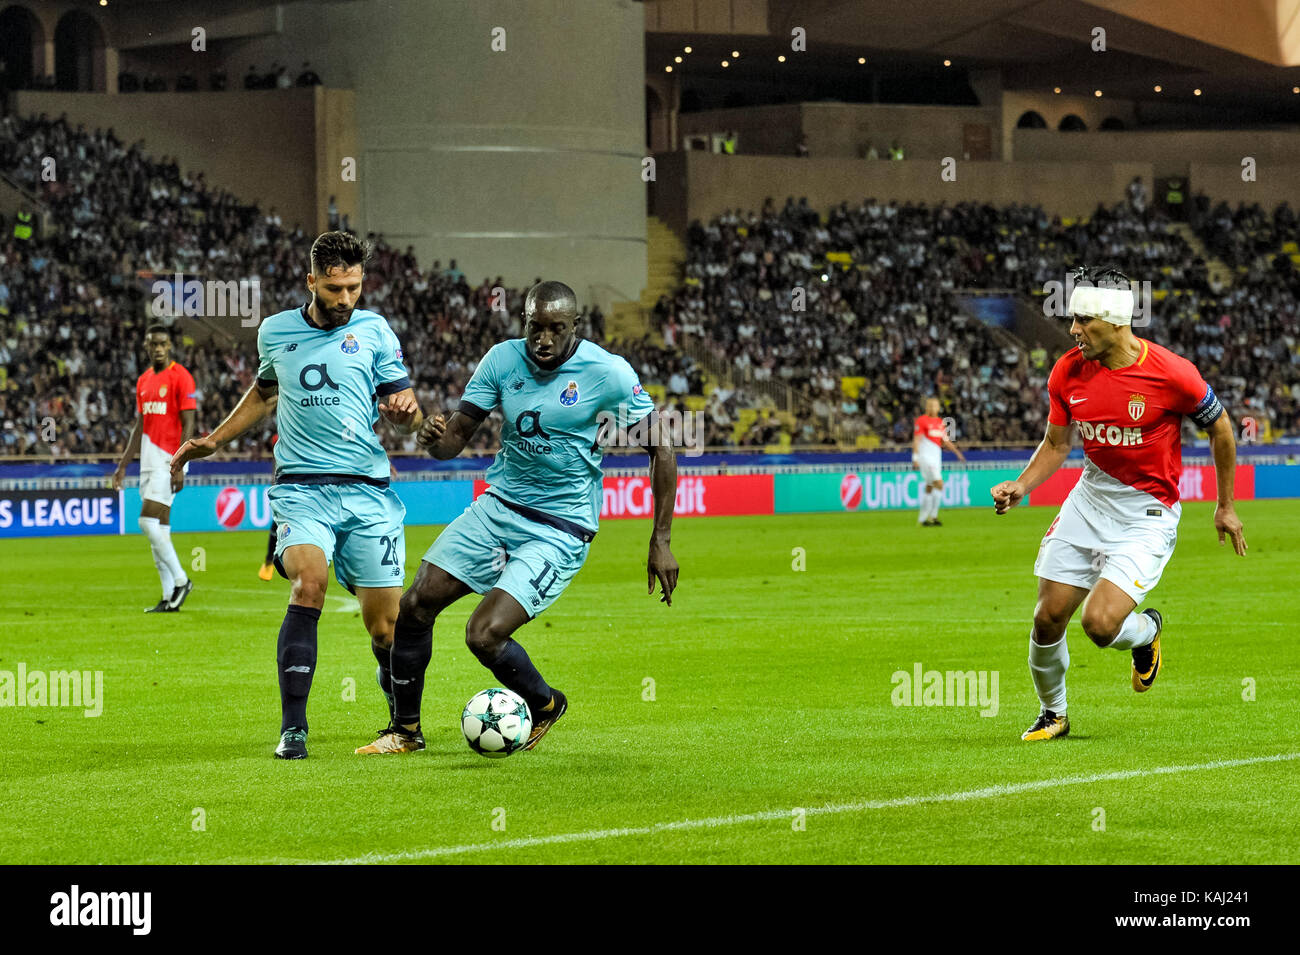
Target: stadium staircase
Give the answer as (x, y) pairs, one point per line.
(665, 254)
(1216, 269)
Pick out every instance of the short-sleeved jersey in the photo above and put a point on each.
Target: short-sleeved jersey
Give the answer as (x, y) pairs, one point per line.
(550, 453)
(160, 397)
(1130, 421)
(929, 428)
(329, 382)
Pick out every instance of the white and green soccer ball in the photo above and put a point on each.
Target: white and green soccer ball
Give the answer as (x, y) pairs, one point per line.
(496, 722)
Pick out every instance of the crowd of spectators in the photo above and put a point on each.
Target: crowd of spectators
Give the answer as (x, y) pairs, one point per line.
(856, 313)
(872, 292)
(74, 305)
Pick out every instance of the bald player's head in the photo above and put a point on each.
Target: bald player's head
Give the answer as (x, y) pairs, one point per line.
(550, 312)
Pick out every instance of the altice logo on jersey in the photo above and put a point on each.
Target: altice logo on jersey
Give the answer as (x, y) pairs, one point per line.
(78, 688)
(1056, 297)
(75, 908)
(684, 429)
(178, 297)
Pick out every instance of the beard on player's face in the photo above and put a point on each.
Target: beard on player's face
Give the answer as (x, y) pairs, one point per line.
(333, 307)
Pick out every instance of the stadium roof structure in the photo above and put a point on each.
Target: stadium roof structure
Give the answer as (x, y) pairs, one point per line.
(1242, 52)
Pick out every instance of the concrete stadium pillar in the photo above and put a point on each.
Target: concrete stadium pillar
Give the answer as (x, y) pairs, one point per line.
(506, 135)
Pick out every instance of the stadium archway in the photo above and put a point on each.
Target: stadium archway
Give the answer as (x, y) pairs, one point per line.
(79, 54)
(1072, 124)
(1112, 124)
(22, 48)
(1031, 119)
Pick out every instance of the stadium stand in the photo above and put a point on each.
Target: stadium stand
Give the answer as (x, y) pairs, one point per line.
(880, 324)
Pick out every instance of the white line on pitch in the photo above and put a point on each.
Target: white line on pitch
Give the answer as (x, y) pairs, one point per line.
(717, 822)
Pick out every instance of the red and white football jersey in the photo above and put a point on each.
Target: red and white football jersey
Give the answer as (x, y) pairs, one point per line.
(931, 429)
(1130, 421)
(160, 397)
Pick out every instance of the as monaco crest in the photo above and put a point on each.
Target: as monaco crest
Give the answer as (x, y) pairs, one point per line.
(1137, 404)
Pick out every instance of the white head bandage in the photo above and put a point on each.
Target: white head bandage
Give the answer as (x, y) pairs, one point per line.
(1114, 305)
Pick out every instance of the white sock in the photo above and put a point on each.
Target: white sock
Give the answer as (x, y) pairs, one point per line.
(1138, 631)
(169, 565)
(1047, 665)
(937, 499)
(149, 527)
(169, 554)
(923, 514)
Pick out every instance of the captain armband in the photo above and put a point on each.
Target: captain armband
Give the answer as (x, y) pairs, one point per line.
(1207, 411)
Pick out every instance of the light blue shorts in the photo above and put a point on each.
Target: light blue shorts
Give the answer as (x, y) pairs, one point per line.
(492, 546)
(358, 526)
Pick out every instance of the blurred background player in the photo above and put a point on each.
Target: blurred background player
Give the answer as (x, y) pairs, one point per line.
(1109, 545)
(329, 362)
(165, 414)
(267, 570)
(929, 438)
(524, 540)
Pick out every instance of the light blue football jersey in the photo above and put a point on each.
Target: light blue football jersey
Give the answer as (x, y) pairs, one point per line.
(329, 384)
(550, 458)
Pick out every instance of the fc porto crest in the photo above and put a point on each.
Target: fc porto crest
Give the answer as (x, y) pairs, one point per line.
(350, 344)
(1137, 404)
(569, 396)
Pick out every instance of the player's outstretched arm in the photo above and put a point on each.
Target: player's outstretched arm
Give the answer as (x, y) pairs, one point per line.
(252, 408)
(954, 449)
(1223, 445)
(445, 439)
(661, 564)
(1048, 458)
(189, 423)
(402, 411)
(132, 449)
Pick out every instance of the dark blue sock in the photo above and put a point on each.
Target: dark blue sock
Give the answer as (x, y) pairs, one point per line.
(515, 670)
(412, 650)
(295, 656)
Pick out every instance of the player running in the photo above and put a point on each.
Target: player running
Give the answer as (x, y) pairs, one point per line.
(526, 537)
(328, 362)
(929, 438)
(165, 415)
(1116, 531)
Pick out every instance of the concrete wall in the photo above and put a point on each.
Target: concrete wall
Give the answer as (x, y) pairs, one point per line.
(278, 148)
(843, 130)
(1169, 152)
(696, 185)
(1275, 183)
(518, 163)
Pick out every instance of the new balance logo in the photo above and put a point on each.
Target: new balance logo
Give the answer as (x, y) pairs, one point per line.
(292, 346)
(297, 669)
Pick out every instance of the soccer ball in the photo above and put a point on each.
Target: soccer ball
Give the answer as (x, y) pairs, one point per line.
(496, 722)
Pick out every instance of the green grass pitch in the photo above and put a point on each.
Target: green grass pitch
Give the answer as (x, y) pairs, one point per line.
(771, 693)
